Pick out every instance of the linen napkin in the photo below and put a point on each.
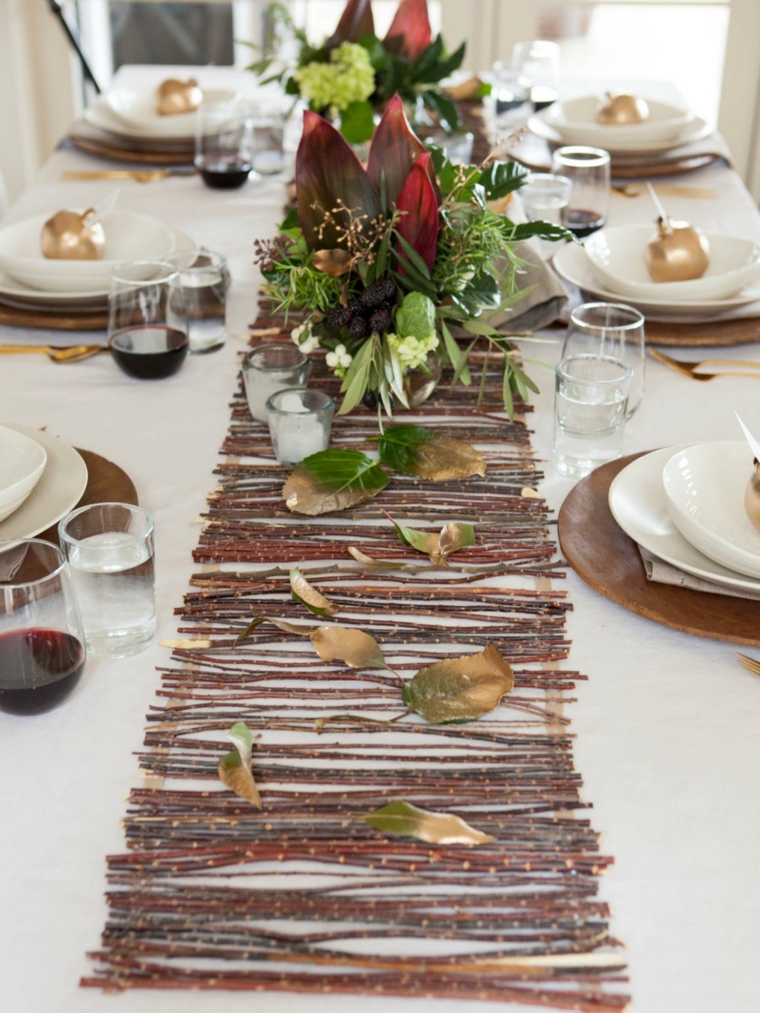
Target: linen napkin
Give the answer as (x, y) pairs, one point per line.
(660, 572)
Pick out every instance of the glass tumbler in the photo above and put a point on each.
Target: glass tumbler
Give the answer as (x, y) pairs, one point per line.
(610, 329)
(588, 169)
(510, 96)
(223, 144)
(109, 548)
(270, 368)
(42, 645)
(538, 61)
(267, 124)
(299, 423)
(545, 198)
(590, 403)
(204, 280)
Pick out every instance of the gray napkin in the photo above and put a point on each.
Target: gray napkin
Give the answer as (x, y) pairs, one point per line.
(660, 572)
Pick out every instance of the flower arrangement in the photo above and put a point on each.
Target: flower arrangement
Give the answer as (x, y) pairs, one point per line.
(387, 262)
(353, 73)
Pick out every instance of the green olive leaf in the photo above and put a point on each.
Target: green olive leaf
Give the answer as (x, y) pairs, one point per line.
(235, 767)
(459, 689)
(415, 450)
(302, 591)
(333, 480)
(406, 820)
(353, 647)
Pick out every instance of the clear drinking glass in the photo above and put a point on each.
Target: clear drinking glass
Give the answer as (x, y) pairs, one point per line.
(267, 124)
(588, 169)
(223, 144)
(545, 198)
(109, 548)
(270, 368)
(204, 280)
(299, 423)
(590, 403)
(610, 329)
(42, 645)
(538, 61)
(510, 96)
(146, 306)
(458, 146)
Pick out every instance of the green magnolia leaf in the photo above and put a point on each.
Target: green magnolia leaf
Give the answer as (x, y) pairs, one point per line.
(422, 541)
(357, 123)
(353, 647)
(546, 230)
(459, 689)
(501, 178)
(333, 480)
(302, 591)
(415, 450)
(406, 820)
(235, 767)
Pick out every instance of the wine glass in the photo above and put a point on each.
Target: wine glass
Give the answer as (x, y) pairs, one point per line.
(538, 62)
(588, 169)
(223, 144)
(42, 646)
(610, 329)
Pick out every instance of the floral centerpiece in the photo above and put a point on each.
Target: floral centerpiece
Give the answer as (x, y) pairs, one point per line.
(385, 263)
(354, 73)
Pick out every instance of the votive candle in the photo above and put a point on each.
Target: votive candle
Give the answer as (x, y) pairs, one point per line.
(299, 423)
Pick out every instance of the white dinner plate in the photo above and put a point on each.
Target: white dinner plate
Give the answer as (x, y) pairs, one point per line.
(617, 253)
(575, 120)
(135, 109)
(704, 489)
(572, 264)
(22, 462)
(698, 129)
(638, 503)
(58, 491)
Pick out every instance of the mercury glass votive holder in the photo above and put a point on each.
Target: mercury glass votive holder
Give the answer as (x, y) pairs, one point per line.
(299, 423)
(269, 369)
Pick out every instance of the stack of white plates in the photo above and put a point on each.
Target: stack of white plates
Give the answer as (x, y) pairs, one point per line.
(573, 121)
(610, 266)
(686, 506)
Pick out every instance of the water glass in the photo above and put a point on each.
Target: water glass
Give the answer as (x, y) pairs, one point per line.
(42, 645)
(146, 306)
(223, 144)
(458, 146)
(109, 548)
(613, 330)
(538, 61)
(545, 198)
(299, 423)
(267, 125)
(590, 404)
(271, 368)
(588, 169)
(204, 280)
(510, 94)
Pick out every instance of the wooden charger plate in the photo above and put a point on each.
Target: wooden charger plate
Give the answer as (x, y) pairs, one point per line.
(719, 332)
(603, 556)
(60, 320)
(104, 149)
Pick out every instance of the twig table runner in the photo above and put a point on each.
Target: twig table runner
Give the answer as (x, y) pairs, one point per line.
(305, 896)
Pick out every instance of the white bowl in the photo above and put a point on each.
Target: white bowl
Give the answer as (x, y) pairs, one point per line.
(704, 487)
(617, 255)
(575, 120)
(135, 110)
(129, 236)
(22, 462)
(626, 152)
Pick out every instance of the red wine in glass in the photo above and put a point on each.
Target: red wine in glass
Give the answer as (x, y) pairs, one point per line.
(225, 173)
(582, 223)
(38, 669)
(149, 351)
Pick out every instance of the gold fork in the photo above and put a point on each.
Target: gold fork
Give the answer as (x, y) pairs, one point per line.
(75, 353)
(749, 663)
(690, 369)
(138, 175)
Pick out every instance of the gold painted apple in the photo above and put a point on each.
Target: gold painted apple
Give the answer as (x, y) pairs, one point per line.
(174, 97)
(73, 235)
(678, 251)
(622, 110)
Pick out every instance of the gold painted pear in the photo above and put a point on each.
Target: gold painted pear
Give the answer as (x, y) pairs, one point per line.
(752, 497)
(71, 235)
(622, 110)
(677, 252)
(174, 97)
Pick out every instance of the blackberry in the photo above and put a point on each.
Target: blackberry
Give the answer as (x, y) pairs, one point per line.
(355, 306)
(381, 321)
(384, 289)
(338, 317)
(359, 328)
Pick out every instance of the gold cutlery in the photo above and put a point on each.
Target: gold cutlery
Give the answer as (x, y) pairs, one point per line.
(690, 369)
(671, 189)
(749, 663)
(138, 175)
(75, 353)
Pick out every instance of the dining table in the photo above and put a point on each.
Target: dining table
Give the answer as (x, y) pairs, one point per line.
(666, 727)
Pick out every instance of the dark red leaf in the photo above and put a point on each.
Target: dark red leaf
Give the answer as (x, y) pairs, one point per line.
(410, 32)
(419, 226)
(330, 178)
(395, 149)
(355, 22)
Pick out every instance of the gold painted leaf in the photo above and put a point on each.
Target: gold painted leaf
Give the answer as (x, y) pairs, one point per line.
(415, 450)
(333, 480)
(301, 631)
(355, 648)
(454, 536)
(406, 820)
(235, 767)
(301, 590)
(423, 541)
(365, 560)
(336, 263)
(460, 689)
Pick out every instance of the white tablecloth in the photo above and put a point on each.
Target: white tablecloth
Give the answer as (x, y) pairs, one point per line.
(667, 726)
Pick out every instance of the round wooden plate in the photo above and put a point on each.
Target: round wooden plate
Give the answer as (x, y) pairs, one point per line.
(106, 483)
(60, 320)
(102, 149)
(742, 331)
(603, 556)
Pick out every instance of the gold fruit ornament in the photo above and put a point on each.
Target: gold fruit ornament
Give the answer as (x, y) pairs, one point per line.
(677, 252)
(174, 97)
(622, 110)
(71, 235)
(752, 496)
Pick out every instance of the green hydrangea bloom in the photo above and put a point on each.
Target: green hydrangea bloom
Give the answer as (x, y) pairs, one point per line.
(348, 77)
(412, 351)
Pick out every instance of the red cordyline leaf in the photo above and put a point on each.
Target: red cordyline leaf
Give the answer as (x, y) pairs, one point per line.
(419, 226)
(395, 149)
(410, 32)
(329, 177)
(355, 22)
